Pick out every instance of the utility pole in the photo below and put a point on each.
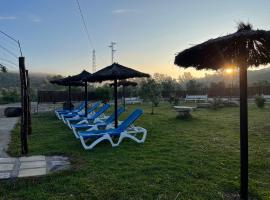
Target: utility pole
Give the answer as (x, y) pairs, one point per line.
(113, 50)
(94, 61)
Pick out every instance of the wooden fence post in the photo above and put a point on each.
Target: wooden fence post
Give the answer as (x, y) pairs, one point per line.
(24, 145)
(29, 121)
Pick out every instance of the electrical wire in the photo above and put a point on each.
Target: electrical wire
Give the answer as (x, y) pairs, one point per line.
(8, 66)
(84, 25)
(8, 61)
(14, 40)
(8, 51)
(86, 30)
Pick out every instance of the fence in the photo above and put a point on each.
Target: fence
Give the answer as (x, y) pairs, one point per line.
(62, 96)
(227, 92)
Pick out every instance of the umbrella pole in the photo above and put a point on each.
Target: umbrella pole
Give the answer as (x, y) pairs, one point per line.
(69, 97)
(124, 101)
(115, 104)
(85, 98)
(243, 133)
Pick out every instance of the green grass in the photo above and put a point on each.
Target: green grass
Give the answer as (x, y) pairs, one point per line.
(194, 159)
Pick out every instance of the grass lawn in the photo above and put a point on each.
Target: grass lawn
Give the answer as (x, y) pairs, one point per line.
(187, 159)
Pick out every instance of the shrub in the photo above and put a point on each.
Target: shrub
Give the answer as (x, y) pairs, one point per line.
(217, 103)
(260, 101)
(171, 99)
(10, 96)
(176, 101)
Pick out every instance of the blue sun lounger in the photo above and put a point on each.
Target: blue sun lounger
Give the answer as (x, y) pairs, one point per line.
(78, 115)
(90, 118)
(79, 108)
(122, 132)
(106, 122)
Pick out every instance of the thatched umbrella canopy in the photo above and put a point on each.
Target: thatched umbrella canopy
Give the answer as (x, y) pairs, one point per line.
(67, 82)
(124, 83)
(80, 77)
(246, 47)
(115, 72)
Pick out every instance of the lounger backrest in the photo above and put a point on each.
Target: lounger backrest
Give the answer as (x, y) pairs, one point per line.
(111, 118)
(93, 107)
(130, 120)
(80, 107)
(101, 111)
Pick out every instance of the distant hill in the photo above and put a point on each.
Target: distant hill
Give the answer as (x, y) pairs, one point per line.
(37, 80)
(41, 80)
(253, 76)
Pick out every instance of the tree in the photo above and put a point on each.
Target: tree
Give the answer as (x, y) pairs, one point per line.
(217, 88)
(184, 78)
(194, 87)
(3, 68)
(151, 90)
(169, 86)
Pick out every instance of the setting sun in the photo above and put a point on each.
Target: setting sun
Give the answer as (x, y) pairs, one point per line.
(229, 70)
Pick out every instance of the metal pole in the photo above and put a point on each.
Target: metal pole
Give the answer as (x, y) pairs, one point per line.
(85, 98)
(113, 50)
(115, 104)
(243, 133)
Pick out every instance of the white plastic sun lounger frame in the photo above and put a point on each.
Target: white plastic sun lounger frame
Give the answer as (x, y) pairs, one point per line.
(125, 134)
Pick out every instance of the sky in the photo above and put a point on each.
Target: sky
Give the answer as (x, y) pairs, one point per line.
(148, 33)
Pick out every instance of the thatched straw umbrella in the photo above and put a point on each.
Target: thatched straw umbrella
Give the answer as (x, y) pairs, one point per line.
(67, 82)
(79, 78)
(115, 72)
(246, 47)
(124, 83)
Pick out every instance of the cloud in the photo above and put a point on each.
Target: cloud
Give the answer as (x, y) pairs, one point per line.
(8, 17)
(35, 18)
(124, 11)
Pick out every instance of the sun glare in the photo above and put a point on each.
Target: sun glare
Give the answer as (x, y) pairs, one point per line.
(229, 70)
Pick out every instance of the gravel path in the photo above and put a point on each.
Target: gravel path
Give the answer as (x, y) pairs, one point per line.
(6, 125)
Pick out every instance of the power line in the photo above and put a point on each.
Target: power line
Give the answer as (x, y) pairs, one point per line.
(8, 36)
(8, 51)
(14, 40)
(94, 61)
(8, 61)
(8, 66)
(86, 30)
(84, 25)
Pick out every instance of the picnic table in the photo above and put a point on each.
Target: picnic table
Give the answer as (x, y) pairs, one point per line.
(184, 111)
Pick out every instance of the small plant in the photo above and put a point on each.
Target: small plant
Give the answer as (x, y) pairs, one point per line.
(171, 99)
(176, 101)
(217, 103)
(260, 101)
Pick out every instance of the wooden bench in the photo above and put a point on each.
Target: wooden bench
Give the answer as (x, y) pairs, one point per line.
(133, 100)
(196, 98)
(266, 97)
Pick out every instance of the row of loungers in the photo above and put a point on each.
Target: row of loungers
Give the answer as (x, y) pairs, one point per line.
(98, 127)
